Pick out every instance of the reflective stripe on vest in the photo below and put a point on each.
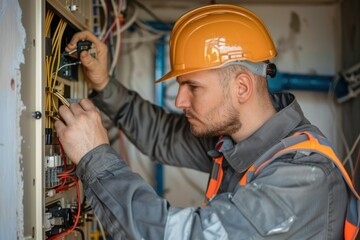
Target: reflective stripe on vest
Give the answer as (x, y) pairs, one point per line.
(215, 177)
(317, 144)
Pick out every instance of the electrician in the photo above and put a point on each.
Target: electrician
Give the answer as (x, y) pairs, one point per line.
(273, 174)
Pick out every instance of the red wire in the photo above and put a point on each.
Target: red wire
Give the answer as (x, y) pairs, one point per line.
(65, 173)
(62, 154)
(58, 236)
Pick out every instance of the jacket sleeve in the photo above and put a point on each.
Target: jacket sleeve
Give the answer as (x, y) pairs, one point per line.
(162, 136)
(268, 208)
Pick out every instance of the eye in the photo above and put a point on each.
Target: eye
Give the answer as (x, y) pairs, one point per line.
(193, 88)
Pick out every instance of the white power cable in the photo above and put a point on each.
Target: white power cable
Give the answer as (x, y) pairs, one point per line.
(338, 127)
(352, 150)
(118, 35)
(103, 4)
(101, 228)
(141, 39)
(66, 65)
(151, 29)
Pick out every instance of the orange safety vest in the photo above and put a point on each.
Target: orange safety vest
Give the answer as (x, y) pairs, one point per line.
(311, 143)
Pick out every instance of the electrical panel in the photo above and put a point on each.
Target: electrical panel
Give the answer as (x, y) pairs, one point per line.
(54, 205)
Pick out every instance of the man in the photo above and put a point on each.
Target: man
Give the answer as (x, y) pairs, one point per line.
(231, 124)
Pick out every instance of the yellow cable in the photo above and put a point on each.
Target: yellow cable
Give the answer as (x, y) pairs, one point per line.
(62, 99)
(48, 20)
(55, 35)
(54, 105)
(59, 53)
(52, 62)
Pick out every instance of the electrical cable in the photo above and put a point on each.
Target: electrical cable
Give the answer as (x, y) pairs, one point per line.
(136, 45)
(81, 233)
(149, 28)
(149, 38)
(125, 26)
(356, 166)
(61, 98)
(61, 235)
(103, 30)
(118, 38)
(68, 64)
(48, 20)
(59, 53)
(101, 228)
(338, 127)
(352, 150)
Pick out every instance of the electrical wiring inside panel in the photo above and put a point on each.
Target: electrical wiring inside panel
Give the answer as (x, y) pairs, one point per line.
(63, 197)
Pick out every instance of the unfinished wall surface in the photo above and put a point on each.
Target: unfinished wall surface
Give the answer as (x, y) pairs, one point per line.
(12, 41)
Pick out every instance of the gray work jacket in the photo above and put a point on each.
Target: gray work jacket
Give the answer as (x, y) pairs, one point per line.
(300, 196)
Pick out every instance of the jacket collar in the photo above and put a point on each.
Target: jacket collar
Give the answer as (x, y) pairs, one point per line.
(289, 115)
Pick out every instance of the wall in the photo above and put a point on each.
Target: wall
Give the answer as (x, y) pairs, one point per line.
(308, 39)
(12, 40)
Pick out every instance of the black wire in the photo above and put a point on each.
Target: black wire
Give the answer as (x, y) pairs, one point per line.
(81, 233)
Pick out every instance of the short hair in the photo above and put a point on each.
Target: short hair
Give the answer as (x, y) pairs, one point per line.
(229, 72)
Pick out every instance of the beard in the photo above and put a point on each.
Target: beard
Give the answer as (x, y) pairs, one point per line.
(227, 123)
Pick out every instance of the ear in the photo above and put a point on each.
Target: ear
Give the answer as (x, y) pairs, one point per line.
(244, 86)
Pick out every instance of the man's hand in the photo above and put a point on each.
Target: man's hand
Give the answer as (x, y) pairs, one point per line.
(81, 129)
(96, 69)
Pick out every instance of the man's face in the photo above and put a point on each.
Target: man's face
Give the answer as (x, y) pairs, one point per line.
(207, 104)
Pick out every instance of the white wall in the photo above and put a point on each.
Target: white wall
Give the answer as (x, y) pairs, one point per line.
(12, 39)
(307, 37)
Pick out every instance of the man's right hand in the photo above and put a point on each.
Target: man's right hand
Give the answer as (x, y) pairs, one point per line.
(96, 69)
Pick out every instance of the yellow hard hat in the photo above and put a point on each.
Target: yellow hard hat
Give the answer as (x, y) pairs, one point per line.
(211, 36)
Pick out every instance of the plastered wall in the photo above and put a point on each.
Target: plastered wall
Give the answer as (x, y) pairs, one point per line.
(12, 39)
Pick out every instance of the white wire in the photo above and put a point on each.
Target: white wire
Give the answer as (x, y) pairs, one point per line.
(352, 150)
(147, 27)
(126, 25)
(103, 4)
(338, 127)
(118, 38)
(66, 65)
(141, 39)
(101, 228)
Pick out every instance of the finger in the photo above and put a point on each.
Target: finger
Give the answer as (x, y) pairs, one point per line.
(66, 114)
(60, 127)
(87, 35)
(87, 60)
(76, 109)
(86, 104)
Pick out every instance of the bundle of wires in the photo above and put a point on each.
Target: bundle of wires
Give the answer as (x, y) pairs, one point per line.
(52, 67)
(65, 176)
(77, 217)
(53, 62)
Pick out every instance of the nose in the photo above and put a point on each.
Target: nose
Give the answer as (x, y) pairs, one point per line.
(182, 100)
